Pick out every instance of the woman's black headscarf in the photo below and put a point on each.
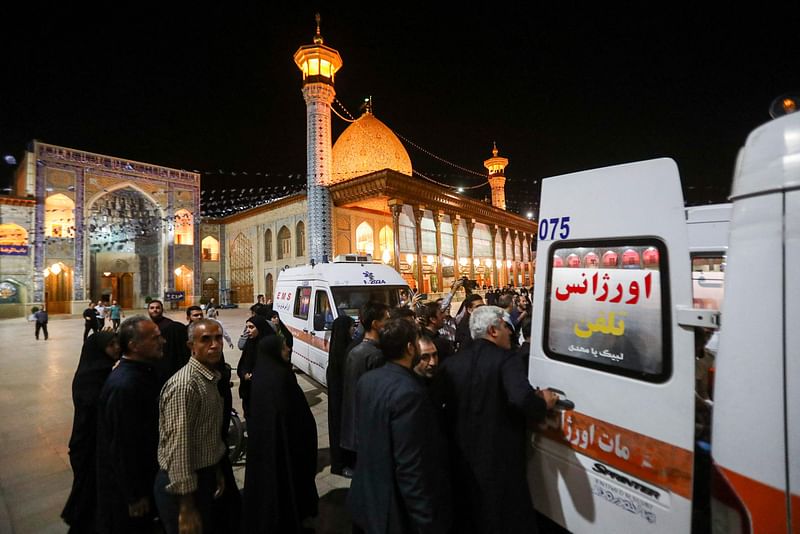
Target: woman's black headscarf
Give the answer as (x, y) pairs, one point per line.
(340, 340)
(337, 354)
(94, 367)
(271, 347)
(279, 488)
(247, 363)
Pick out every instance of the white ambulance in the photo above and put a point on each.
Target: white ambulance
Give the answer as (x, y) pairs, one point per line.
(310, 297)
(614, 330)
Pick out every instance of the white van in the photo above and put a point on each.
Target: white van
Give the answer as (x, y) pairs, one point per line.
(310, 297)
(613, 329)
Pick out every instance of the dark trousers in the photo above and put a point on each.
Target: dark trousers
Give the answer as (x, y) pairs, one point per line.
(90, 326)
(42, 327)
(169, 506)
(115, 323)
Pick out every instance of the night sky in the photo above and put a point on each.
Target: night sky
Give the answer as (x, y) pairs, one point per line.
(560, 89)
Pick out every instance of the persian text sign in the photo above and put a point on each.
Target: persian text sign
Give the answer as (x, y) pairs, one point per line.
(13, 250)
(611, 316)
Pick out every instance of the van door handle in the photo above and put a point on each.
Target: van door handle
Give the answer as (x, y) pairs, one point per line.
(562, 404)
(305, 331)
(313, 333)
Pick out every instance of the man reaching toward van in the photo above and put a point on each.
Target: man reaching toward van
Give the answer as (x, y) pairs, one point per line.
(487, 401)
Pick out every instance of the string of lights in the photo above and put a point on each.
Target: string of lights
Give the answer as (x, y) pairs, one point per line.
(417, 173)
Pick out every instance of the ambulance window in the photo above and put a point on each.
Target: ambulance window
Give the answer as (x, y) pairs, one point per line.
(708, 280)
(610, 314)
(302, 302)
(322, 309)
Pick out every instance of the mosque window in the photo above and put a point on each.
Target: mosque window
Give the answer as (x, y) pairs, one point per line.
(284, 243)
(59, 216)
(184, 228)
(386, 242)
(365, 240)
(13, 235)
(268, 245)
(210, 247)
(407, 233)
(446, 229)
(301, 239)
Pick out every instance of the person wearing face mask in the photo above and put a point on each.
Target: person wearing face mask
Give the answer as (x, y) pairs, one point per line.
(99, 354)
(257, 329)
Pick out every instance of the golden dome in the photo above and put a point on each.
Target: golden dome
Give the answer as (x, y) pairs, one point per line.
(366, 146)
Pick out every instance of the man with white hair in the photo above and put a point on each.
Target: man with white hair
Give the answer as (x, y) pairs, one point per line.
(487, 402)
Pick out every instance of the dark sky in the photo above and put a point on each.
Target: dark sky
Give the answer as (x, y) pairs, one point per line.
(560, 89)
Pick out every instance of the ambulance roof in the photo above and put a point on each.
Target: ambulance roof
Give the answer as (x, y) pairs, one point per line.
(345, 274)
(770, 159)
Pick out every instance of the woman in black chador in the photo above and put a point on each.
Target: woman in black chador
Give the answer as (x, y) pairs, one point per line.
(100, 352)
(257, 329)
(341, 336)
(279, 487)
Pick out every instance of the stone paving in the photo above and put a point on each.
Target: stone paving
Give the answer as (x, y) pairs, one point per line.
(36, 407)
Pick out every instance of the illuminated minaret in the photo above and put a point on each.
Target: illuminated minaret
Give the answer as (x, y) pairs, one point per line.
(497, 179)
(319, 64)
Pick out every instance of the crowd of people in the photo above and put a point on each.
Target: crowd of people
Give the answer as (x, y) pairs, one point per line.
(427, 415)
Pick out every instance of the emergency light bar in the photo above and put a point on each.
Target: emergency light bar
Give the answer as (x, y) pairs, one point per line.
(353, 258)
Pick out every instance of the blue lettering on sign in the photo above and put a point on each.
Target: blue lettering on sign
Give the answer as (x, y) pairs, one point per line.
(549, 227)
(369, 279)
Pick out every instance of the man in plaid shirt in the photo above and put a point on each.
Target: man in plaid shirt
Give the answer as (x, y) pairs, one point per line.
(190, 442)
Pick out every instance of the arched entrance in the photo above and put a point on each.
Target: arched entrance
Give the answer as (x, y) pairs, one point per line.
(125, 230)
(210, 289)
(184, 281)
(241, 270)
(268, 287)
(58, 288)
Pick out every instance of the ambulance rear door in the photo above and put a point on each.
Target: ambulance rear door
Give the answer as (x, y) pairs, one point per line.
(612, 268)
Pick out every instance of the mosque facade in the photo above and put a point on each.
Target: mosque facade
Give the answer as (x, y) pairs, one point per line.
(81, 227)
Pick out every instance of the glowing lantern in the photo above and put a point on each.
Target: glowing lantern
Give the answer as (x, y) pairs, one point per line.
(610, 259)
(573, 260)
(630, 258)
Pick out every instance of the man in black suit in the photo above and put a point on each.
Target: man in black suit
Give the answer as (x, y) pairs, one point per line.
(487, 402)
(399, 484)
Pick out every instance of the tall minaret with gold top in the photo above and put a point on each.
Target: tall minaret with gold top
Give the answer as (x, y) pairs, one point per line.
(319, 64)
(497, 179)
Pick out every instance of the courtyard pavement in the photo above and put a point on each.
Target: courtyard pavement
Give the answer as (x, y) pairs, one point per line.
(36, 408)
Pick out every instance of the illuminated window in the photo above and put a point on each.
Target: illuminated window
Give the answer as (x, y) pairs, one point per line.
(326, 68)
(365, 240)
(284, 243)
(59, 216)
(210, 248)
(184, 228)
(313, 67)
(301, 239)
(268, 245)
(13, 235)
(386, 240)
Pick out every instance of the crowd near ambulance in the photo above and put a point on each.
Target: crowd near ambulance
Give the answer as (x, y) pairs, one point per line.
(670, 334)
